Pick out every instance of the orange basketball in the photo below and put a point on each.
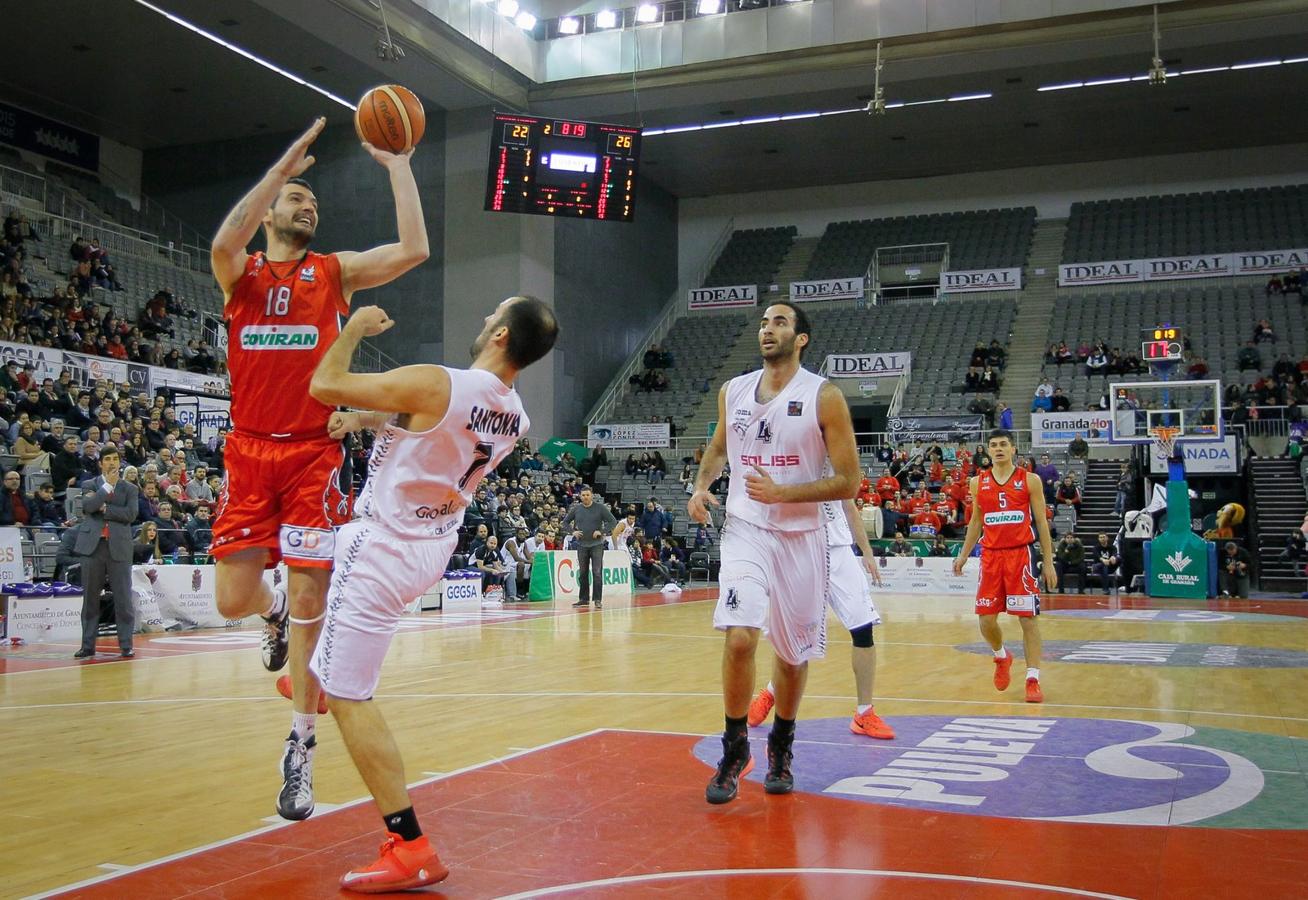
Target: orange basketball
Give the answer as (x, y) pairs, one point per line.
(390, 118)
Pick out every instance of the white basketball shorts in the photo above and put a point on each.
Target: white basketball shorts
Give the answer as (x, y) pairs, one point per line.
(775, 581)
(850, 592)
(377, 575)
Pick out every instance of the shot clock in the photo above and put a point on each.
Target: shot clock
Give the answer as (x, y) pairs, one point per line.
(1162, 344)
(558, 167)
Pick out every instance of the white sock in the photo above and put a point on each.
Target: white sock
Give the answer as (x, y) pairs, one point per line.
(864, 707)
(771, 689)
(303, 724)
(1001, 653)
(1032, 673)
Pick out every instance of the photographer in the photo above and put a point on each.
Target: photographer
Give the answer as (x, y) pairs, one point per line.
(1235, 566)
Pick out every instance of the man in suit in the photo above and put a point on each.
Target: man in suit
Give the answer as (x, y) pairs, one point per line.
(104, 543)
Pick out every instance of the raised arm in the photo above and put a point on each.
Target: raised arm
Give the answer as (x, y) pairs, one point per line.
(408, 389)
(380, 265)
(234, 235)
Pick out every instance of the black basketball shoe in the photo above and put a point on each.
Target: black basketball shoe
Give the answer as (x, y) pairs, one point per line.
(734, 765)
(779, 780)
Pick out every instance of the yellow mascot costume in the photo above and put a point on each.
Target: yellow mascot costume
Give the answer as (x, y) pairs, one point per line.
(1229, 516)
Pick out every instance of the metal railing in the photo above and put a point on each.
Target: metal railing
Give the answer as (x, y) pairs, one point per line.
(23, 184)
(113, 238)
(608, 401)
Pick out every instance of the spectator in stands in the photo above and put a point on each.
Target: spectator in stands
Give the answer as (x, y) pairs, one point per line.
(1005, 416)
(1263, 332)
(984, 407)
(14, 506)
(658, 468)
(687, 478)
(1048, 473)
(1051, 355)
(1069, 559)
(1097, 362)
(892, 520)
(1284, 367)
(980, 458)
(978, 358)
(1234, 567)
(145, 549)
(1274, 286)
(65, 466)
(900, 547)
(1059, 402)
(940, 548)
(1107, 562)
(988, 381)
(996, 355)
(1042, 401)
(972, 380)
(172, 536)
(1077, 448)
(1065, 354)
(1198, 368)
(199, 532)
(486, 559)
(887, 486)
(47, 512)
(1249, 357)
(31, 458)
(660, 383)
(1068, 494)
(653, 520)
(632, 466)
(926, 521)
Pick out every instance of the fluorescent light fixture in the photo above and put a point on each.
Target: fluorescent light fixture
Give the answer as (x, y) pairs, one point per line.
(569, 25)
(793, 116)
(959, 98)
(507, 8)
(1204, 71)
(923, 102)
(841, 112)
(1261, 64)
(606, 18)
(1299, 59)
(1125, 79)
(646, 13)
(709, 7)
(680, 128)
(525, 20)
(898, 104)
(650, 132)
(762, 120)
(732, 124)
(1145, 77)
(241, 51)
(1060, 87)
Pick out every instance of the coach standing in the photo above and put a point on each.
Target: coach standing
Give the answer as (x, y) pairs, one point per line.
(590, 523)
(104, 546)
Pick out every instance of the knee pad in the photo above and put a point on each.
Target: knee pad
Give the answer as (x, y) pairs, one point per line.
(862, 635)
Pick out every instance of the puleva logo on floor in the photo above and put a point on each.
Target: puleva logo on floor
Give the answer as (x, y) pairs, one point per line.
(1104, 771)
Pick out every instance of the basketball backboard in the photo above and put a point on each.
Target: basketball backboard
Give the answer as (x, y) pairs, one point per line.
(1183, 411)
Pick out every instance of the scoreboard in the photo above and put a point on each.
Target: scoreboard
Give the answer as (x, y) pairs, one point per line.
(1162, 344)
(557, 167)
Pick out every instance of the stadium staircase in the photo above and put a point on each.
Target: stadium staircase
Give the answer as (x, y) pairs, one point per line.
(795, 263)
(742, 357)
(1035, 305)
(1277, 498)
(1098, 496)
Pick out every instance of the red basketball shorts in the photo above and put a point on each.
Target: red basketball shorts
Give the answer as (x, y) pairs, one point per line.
(285, 497)
(1008, 583)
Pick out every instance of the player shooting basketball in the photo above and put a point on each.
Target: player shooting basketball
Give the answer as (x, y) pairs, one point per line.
(284, 490)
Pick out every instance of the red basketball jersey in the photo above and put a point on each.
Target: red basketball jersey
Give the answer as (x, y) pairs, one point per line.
(1005, 511)
(278, 329)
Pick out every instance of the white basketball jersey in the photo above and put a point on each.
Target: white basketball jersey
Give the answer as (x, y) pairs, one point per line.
(783, 438)
(420, 482)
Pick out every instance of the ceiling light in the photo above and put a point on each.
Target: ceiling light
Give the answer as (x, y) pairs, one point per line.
(569, 25)
(793, 116)
(1290, 62)
(646, 13)
(1256, 65)
(959, 98)
(606, 18)
(1125, 79)
(709, 7)
(761, 120)
(507, 8)
(1204, 71)
(525, 20)
(1059, 87)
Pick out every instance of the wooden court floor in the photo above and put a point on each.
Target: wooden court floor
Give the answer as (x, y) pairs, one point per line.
(565, 754)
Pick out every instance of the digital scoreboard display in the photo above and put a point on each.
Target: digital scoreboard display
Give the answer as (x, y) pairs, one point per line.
(557, 167)
(1163, 343)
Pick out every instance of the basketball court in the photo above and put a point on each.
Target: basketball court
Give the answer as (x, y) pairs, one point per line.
(557, 753)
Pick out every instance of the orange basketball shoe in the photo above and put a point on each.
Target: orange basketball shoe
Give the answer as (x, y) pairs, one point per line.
(759, 708)
(872, 725)
(1002, 671)
(403, 865)
(284, 688)
(1033, 692)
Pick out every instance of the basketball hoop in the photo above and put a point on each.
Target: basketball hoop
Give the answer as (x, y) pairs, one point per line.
(1164, 440)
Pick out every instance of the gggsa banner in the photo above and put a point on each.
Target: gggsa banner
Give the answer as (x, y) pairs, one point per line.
(640, 434)
(869, 365)
(1058, 429)
(723, 297)
(54, 140)
(935, 428)
(828, 289)
(981, 280)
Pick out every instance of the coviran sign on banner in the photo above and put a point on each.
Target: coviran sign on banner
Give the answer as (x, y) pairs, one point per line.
(723, 297)
(1174, 268)
(828, 289)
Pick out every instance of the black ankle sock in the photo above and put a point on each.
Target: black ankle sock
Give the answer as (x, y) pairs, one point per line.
(736, 728)
(783, 728)
(404, 823)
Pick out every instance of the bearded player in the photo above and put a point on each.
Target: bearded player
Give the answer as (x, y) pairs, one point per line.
(284, 489)
(1006, 503)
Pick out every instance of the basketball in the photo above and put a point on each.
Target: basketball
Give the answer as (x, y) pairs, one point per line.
(390, 117)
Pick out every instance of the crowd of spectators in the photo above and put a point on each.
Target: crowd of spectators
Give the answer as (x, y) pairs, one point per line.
(652, 379)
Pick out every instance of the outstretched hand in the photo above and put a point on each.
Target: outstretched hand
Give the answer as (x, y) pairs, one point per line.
(295, 161)
(371, 320)
(387, 158)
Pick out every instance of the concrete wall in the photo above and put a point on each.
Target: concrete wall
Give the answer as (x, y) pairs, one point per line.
(200, 183)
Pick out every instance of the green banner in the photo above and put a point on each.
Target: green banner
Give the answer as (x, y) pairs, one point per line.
(1178, 558)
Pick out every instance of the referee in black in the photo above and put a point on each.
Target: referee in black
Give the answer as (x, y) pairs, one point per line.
(590, 523)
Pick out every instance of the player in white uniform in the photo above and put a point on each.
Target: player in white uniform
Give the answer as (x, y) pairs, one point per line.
(443, 429)
(779, 427)
(850, 597)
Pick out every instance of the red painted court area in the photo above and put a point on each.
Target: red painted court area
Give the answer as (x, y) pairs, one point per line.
(622, 814)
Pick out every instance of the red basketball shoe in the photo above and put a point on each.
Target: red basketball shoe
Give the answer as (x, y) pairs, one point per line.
(1033, 692)
(1002, 671)
(403, 865)
(759, 708)
(284, 688)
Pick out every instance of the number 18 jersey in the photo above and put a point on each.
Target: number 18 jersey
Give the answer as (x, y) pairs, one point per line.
(281, 318)
(1005, 511)
(420, 481)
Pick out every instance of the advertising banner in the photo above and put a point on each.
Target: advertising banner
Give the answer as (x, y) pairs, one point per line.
(182, 596)
(11, 556)
(827, 289)
(723, 297)
(86, 370)
(1173, 268)
(639, 434)
(207, 414)
(1215, 458)
(36, 620)
(554, 575)
(1058, 429)
(1256, 261)
(869, 365)
(54, 140)
(1114, 272)
(981, 280)
(1170, 268)
(964, 427)
(927, 575)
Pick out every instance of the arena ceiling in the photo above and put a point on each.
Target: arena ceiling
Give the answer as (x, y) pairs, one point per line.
(137, 78)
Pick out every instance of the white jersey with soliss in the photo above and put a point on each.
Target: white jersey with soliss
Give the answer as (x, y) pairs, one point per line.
(783, 438)
(420, 482)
